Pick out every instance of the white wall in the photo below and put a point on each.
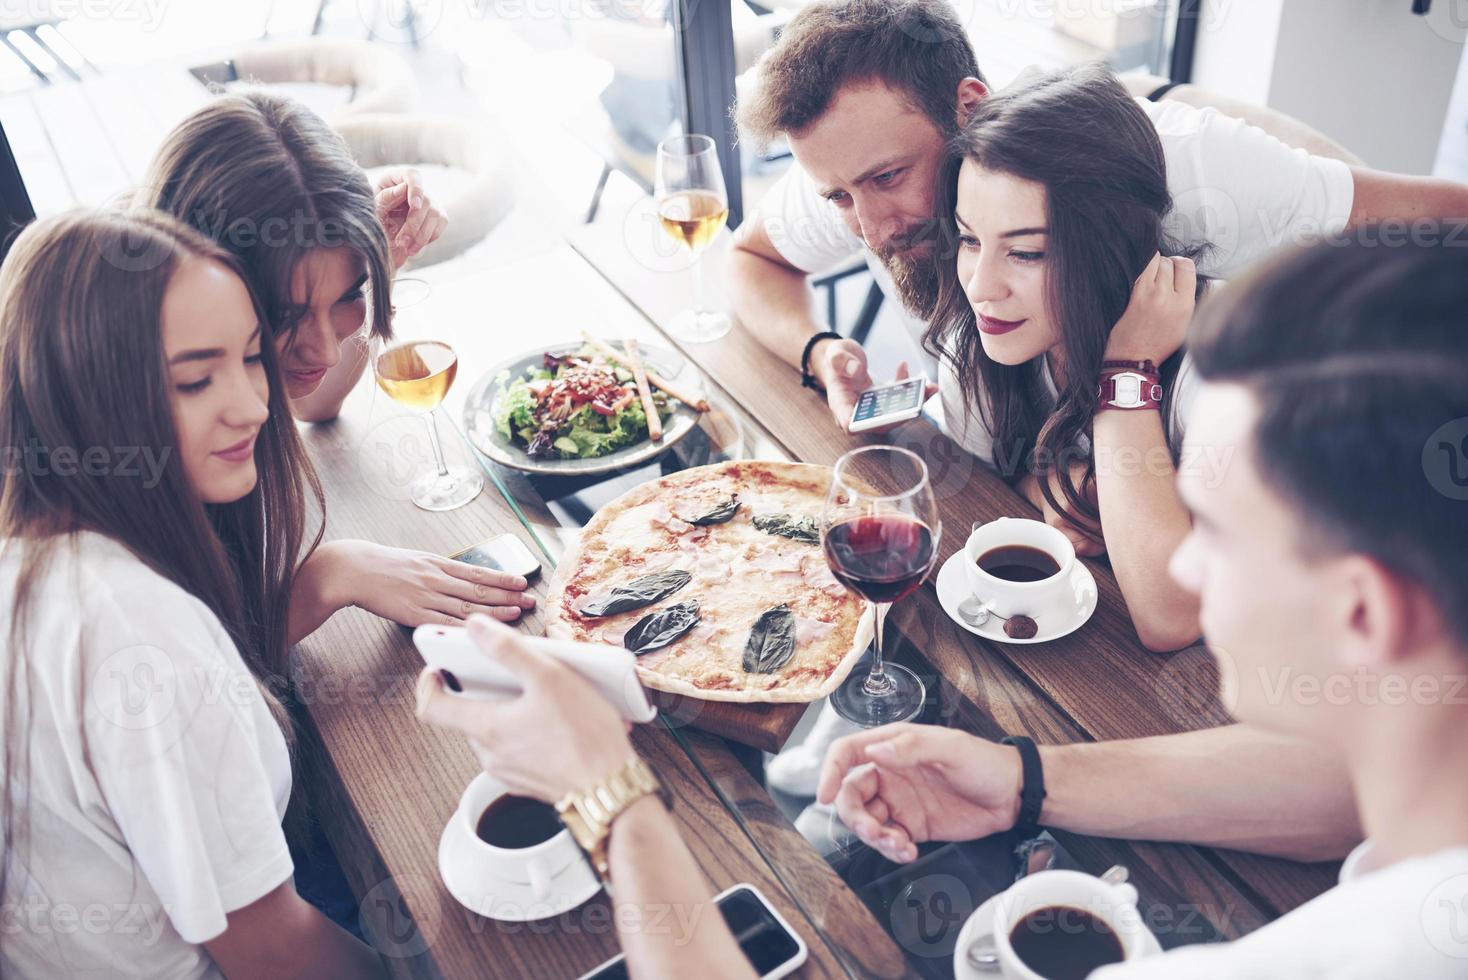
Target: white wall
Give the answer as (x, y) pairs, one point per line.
(1368, 73)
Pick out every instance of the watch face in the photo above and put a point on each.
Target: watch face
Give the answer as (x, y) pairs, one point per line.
(1128, 391)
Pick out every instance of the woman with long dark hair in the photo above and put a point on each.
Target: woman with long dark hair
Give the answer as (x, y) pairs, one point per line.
(1060, 325)
(269, 180)
(152, 516)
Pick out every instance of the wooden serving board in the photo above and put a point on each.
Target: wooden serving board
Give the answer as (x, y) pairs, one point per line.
(765, 726)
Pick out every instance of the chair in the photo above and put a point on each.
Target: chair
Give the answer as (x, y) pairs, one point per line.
(382, 129)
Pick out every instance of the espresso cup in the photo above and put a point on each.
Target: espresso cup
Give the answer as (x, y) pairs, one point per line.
(553, 866)
(1113, 904)
(1048, 601)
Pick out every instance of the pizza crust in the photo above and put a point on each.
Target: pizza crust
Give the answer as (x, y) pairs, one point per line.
(620, 539)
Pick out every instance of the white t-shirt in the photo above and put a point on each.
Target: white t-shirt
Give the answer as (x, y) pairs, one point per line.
(1408, 920)
(1233, 186)
(158, 778)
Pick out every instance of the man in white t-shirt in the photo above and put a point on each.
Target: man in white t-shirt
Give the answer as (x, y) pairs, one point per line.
(867, 92)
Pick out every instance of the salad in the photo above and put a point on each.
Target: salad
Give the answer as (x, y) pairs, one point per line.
(575, 406)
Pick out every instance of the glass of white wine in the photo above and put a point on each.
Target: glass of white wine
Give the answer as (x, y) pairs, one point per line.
(419, 374)
(692, 206)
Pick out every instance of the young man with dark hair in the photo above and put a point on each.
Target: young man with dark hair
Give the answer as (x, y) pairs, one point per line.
(1332, 565)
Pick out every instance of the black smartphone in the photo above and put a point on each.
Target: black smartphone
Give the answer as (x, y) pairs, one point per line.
(506, 553)
(768, 942)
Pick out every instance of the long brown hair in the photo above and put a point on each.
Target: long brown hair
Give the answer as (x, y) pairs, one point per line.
(268, 179)
(82, 365)
(1079, 134)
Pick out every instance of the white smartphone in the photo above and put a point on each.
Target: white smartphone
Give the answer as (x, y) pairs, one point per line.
(469, 672)
(888, 404)
(773, 948)
(505, 553)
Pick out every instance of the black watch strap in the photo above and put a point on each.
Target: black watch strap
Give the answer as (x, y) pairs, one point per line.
(806, 378)
(1032, 785)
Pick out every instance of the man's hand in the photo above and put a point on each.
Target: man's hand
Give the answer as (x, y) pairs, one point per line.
(901, 785)
(411, 220)
(1157, 316)
(559, 736)
(841, 368)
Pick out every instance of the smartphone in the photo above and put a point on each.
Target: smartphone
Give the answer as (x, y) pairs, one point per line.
(888, 404)
(468, 672)
(771, 946)
(505, 553)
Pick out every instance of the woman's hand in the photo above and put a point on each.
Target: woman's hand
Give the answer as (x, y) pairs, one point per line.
(1156, 319)
(1087, 545)
(559, 736)
(901, 785)
(411, 220)
(415, 587)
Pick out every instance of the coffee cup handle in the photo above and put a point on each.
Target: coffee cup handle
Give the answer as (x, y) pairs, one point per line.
(540, 880)
(983, 954)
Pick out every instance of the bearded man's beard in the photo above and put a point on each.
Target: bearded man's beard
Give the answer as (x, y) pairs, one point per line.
(912, 260)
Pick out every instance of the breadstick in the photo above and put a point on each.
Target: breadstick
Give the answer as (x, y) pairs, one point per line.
(654, 379)
(639, 374)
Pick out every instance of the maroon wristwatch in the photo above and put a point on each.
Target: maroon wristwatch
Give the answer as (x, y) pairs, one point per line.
(1129, 385)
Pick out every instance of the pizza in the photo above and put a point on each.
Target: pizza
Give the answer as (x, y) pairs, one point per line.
(715, 577)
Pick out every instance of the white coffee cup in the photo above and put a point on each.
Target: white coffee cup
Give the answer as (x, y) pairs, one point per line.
(1048, 601)
(554, 866)
(1113, 904)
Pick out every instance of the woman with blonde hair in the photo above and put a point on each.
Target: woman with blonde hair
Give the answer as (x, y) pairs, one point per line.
(152, 514)
(270, 181)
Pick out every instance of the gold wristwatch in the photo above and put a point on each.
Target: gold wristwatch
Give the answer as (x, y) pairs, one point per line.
(589, 814)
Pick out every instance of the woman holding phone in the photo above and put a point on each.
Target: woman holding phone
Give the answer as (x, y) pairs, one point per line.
(1061, 320)
(268, 180)
(146, 754)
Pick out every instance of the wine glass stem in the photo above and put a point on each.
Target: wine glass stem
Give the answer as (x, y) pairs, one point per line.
(432, 420)
(878, 683)
(697, 283)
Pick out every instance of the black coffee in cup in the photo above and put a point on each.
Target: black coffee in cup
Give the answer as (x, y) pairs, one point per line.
(1063, 943)
(1018, 563)
(512, 821)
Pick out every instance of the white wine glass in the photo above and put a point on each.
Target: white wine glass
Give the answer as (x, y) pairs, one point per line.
(418, 374)
(692, 206)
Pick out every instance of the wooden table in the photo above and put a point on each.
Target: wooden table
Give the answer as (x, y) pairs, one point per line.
(384, 785)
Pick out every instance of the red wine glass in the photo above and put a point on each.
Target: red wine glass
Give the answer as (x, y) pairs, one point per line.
(880, 531)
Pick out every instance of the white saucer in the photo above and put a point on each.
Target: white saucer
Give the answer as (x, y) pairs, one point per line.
(982, 922)
(506, 901)
(952, 587)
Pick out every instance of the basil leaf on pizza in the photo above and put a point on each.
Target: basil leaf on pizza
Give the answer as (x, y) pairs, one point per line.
(771, 642)
(789, 526)
(637, 593)
(656, 630)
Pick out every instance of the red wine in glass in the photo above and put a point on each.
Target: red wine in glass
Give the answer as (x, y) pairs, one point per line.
(883, 557)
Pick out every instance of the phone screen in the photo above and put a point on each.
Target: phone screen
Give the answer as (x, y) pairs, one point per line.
(505, 553)
(764, 941)
(889, 400)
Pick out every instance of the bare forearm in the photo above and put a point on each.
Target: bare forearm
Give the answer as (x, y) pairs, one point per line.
(1143, 522)
(317, 591)
(773, 302)
(1227, 787)
(666, 917)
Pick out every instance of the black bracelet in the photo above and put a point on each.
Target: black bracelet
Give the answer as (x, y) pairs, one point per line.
(806, 378)
(1032, 788)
